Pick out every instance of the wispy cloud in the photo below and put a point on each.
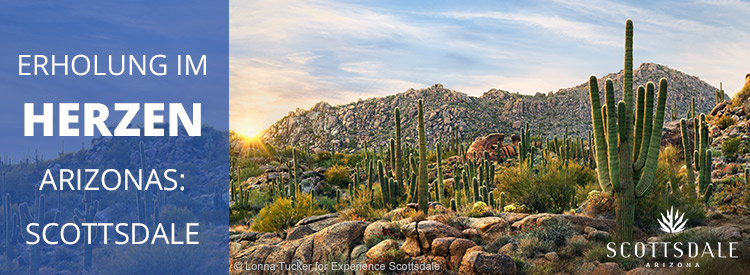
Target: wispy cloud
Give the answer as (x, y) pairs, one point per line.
(290, 54)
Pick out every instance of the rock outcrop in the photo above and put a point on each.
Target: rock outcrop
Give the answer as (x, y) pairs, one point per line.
(447, 111)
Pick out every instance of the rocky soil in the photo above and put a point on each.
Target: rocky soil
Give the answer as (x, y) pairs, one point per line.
(461, 247)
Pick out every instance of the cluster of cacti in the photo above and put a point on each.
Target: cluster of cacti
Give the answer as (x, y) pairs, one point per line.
(702, 155)
(87, 216)
(240, 196)
(720, 93)
(34, 213)
(626, 167)
(570, 149)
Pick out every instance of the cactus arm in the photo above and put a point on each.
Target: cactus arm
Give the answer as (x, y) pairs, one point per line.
(647, 127)
(639, 112)
(601, 145)
(612, 136)
(627, 78)
(645, 183)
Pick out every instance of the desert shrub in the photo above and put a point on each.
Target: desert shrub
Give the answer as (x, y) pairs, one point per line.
(528, 247)
(730, 147)
(338, 175)
(740, 96)
(576, 246)
(282, 214)
(597, 253)
(540, 237)
(545, 190)
(460, 222)
(479, 209)
(649, 208)
(327, 203)
(250, 169)
(321, 157)
(362, 207)
(724, 122)
(522, 268)
(516, 208)
(734, 187)
(553, 231)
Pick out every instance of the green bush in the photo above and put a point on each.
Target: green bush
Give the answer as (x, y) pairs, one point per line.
(362, 207)
(552, 231)
(528, 247)
(730, 147)
(479, 209)
(549, 189)
(724, 122)
(338, 175)
(740, 96)
(282, 214)
(576, 246)
(649, 209)
(522, 268)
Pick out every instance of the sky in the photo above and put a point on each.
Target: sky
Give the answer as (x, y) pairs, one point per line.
(291, 54)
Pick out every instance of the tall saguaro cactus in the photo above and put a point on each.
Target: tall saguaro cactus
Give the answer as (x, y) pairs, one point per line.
(423, 187)
(617, 170)
(12, 222)
(439, 182)
(87, 216)
(398, 150)
(34, 213)
(703, 160)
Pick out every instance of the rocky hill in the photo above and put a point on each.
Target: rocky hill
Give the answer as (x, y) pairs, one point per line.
(349, 126)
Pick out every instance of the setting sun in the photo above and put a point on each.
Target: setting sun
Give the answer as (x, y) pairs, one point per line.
(250, 132)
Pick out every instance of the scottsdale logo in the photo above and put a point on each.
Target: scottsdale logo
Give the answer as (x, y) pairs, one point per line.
(672, 254)
(672, 224)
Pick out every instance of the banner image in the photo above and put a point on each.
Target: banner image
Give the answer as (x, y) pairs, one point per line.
(374, 137)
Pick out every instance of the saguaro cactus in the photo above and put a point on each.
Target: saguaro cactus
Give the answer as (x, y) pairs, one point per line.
(12, 222)
(34, 214)
(703, 161)
(399, 152)
(423, 187)
(688, 149)
(439, 187)
(87, 216)
(617, 170)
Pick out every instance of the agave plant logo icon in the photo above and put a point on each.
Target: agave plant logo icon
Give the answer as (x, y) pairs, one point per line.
(673, 222)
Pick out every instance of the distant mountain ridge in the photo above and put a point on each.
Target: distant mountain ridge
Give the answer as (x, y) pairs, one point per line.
(348, 126)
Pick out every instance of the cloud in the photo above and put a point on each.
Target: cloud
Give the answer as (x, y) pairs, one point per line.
(292, 54)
